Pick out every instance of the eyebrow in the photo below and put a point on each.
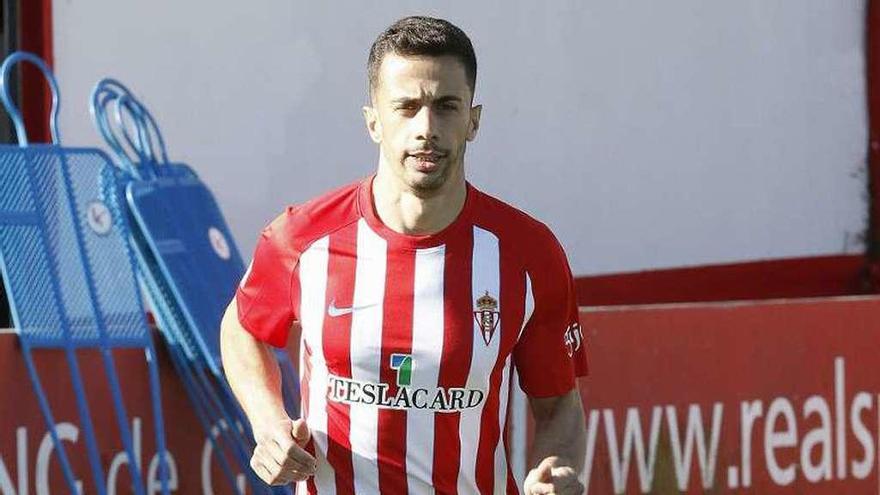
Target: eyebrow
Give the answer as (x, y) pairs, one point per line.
(442, 99)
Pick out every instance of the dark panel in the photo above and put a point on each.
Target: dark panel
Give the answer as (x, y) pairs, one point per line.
(9, 41)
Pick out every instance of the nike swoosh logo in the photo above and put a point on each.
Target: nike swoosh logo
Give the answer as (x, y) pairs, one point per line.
(333, 311)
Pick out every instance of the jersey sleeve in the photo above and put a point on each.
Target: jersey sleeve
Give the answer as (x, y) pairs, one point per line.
(265, 296)
(550, 353)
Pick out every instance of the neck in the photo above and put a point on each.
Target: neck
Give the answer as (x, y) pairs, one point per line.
(405, 212)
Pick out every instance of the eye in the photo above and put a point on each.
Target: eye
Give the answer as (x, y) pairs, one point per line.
(449, 106)
(406, 107)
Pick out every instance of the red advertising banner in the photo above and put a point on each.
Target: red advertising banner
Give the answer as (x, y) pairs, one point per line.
(768, 397)
(28, 462)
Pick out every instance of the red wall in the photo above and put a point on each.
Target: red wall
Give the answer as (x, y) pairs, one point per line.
(813, 359)
(820, 276)
(24, 431)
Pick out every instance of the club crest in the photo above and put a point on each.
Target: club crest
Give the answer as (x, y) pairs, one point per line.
(487, 316)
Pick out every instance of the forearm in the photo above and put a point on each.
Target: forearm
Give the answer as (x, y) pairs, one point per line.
(252, 372)
(560, 431)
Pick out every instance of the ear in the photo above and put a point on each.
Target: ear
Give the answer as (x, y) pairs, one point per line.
(474, 123)
(374, 126)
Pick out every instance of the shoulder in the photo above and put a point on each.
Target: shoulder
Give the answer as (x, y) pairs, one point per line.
(300, 225)
(520, 231)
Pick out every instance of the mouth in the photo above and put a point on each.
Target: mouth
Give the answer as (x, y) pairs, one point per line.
(425, 161)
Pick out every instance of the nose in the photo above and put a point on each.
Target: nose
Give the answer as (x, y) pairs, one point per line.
(425, 125)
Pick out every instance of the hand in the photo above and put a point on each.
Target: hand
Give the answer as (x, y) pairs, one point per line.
(548, 478)
(279, 457)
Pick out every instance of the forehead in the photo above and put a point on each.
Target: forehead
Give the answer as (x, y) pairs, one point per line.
(414, 76)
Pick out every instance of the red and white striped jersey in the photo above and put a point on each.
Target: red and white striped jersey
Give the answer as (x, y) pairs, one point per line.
(409, 343)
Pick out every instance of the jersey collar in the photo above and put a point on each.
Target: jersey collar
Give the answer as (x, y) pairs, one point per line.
(368, 212)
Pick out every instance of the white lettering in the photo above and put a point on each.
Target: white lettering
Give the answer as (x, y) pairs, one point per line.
(818, 451)
(65, 431)
(632, 440)
(840, 415)
(862, 402)
(6, 486)
(592, 428)
(207, 451)
(749, 412)
(694, 435)
(21, 447)
(122, 457)
(816, 405)
(779, 408)
(154, 480)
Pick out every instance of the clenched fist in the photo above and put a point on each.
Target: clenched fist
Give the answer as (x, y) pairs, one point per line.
(280, 457)
(549, 479)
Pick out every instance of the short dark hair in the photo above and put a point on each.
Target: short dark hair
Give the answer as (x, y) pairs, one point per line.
(421, 35)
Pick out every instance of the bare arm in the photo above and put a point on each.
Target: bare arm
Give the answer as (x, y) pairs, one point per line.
(252, 372)
(559, 445)
(255, 379)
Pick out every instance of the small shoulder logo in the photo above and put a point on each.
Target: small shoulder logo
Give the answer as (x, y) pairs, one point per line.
(402, 363)
(99, 218)
(487, 316)
(573, 338)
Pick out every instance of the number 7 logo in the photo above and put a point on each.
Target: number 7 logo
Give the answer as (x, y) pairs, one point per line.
(402, 363)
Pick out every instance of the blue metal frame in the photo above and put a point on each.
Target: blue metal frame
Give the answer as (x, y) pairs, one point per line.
(208, 410)
(142, 166)
(13, 111)
(182, 366)
(104, 93)
(28, 158)
(146, 128)
(167, 175)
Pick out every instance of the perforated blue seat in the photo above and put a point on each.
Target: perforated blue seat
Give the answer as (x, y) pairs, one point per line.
(190, 264)
(69, 273)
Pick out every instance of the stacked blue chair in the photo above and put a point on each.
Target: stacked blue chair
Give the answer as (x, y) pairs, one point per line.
(213, 415)
(189, 263)
(69, 274)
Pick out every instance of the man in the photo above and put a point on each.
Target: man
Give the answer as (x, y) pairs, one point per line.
(417, 296)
